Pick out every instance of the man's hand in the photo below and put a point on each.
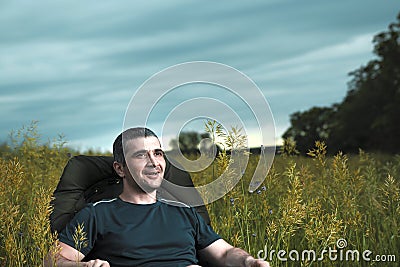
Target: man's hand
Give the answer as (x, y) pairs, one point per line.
(220, 253)
(70, 257)
(252, 262)
(97, 263)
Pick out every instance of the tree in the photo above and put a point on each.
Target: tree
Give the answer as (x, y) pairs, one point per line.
(310, 126)
(186, 142)
(368, 117)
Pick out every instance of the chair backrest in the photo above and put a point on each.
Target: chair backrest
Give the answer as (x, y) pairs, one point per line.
(88, 179)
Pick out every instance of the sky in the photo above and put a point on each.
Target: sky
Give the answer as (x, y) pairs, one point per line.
(75, 66)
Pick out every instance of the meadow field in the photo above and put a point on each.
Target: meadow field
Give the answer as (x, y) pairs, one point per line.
(314, 210)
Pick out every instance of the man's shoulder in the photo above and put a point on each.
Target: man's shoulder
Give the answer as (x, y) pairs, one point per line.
(174, 203)
(101, 209)
(180, 209)
(105, 202)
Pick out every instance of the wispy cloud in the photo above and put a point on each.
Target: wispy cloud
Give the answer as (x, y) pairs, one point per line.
(75, 65)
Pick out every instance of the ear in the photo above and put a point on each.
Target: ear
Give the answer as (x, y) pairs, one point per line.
(119, 169)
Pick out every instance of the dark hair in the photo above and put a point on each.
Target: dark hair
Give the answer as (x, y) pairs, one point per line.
(129, 134)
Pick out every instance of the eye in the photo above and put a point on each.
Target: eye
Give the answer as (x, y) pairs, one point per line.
(141, 155)
(159, 153)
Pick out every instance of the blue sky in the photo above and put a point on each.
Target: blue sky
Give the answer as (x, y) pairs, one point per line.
(75, 65)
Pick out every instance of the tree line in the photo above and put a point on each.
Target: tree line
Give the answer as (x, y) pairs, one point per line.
(368, 117)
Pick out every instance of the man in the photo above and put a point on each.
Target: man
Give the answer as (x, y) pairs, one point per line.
(137, 229)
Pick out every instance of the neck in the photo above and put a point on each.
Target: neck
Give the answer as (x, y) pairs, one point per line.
(138, 196)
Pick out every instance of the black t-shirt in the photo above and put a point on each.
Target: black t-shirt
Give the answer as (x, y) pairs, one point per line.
(126, 234)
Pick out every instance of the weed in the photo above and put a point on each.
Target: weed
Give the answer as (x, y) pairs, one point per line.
(303, 203)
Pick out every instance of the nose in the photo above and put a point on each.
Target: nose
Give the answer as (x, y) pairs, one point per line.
(152, 159)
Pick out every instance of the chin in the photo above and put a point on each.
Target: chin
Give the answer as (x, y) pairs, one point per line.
(150, 187)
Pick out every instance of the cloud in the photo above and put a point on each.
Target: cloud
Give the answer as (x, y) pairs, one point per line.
(75, 65)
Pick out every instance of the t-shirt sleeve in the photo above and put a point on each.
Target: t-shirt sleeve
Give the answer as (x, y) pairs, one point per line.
(80, 231)
(205, 235)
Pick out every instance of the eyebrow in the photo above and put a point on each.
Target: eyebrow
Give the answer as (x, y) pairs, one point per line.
(144, 151)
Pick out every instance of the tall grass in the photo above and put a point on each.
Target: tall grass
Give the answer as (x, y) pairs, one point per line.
(304, 203)
(309, 203)
(29, 173)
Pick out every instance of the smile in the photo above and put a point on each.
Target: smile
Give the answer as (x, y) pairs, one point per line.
(152, 173)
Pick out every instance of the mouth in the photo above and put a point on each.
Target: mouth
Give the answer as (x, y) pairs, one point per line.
(153, 173)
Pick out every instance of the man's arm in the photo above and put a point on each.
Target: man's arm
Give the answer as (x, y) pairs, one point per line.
(70, 257)
(220, 253)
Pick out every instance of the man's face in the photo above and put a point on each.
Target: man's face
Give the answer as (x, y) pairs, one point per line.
(145, 162)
